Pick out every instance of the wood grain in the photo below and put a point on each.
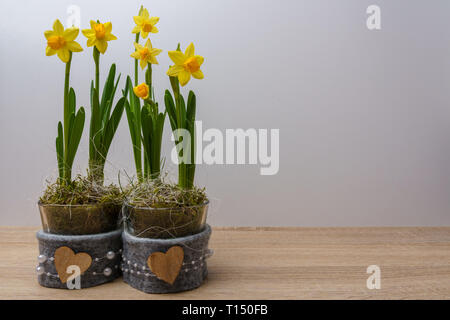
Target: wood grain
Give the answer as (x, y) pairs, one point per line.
(166, 266)
(273, 263)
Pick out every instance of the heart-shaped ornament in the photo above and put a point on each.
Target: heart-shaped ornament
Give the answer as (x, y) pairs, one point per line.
(64, 257)
(167, 266)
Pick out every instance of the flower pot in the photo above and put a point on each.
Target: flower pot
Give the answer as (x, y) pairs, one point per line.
(163, 223)
(79, 219)
(96, 256)
(165, 265)
(84, 237)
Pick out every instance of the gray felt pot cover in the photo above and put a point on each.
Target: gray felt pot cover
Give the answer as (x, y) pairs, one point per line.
(193, 271)
(105, 249)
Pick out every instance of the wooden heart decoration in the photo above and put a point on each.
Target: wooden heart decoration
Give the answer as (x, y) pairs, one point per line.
(167, 266)
(64, 257)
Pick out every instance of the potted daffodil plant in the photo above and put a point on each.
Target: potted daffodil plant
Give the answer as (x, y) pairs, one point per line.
(156, 209)
(81, 213)
(163, 216)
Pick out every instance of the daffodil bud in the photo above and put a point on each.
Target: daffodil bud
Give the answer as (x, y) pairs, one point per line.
(142, 91)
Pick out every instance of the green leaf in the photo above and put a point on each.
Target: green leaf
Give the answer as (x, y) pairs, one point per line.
(71, 120)
(133, 125)
(131, 121)
(157, 142)
(109, 103)
(191, 107)
(170, 108)
(72, 101)
(112, 125)
(60, 150)
(108, 89)
(181, 113)
(147, 130)
(95, 134)
(75, 136)
(190, 168)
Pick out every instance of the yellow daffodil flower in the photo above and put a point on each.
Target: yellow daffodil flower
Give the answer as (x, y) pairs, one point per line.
(144, 23)
(61, 42)
(146, 54)
(99, 35)
(186, 64)
(142, 91)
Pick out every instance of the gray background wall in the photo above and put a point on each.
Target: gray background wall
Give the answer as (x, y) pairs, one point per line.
(364, 116)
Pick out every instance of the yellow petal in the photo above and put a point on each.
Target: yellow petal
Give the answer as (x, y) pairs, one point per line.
(58, 27)
(74, 46)
(135, 55)
(174, 70)
(91, 42)
(199, 59)
(101, 45)
(138, 20)
(92, 23)
(184, 77)
(88, 33)
(154, 30)
(64, 54)
(177, 57)
(154, 20)
(108, 27)
(136, 29)
(144, 13)
(49, 33)
(148, 44)
(189, 51)
(71, 34)
(138, 46)
(144, 34)
(198, 74)
(153, 60)
(143, 64)
(49, 51)
(155, 52)
(110, 37)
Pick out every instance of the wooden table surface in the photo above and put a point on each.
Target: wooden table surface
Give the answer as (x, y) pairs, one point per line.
(273, 263)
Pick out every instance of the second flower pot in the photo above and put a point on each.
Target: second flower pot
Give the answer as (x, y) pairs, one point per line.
(165, 223)
(165, 265)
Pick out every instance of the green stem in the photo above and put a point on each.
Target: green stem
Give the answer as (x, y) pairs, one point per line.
(146, 167)
(148, 79)
(136, 81)
(139, 174)
(182, 167)
(67, 172)
(96, 55)
(95, 162)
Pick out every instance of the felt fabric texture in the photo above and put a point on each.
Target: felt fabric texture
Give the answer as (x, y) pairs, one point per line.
(193, 272)
(96, 245)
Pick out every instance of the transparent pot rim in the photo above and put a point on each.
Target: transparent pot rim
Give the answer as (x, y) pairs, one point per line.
(40, 204)
(204, 204)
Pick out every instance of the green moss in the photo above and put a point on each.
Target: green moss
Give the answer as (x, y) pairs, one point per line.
(82, 207)
(81, 191)
(158, 194)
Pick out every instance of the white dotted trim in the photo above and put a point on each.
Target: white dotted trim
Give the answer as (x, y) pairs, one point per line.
(134, 268)
(96, 259)
(94, 273)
